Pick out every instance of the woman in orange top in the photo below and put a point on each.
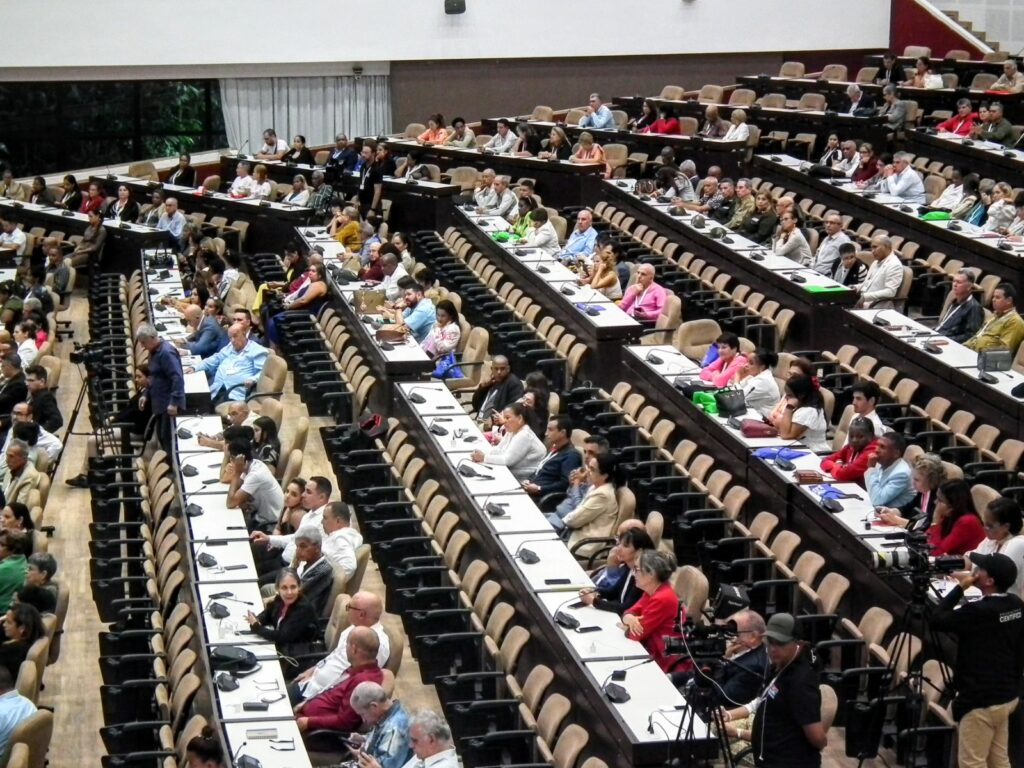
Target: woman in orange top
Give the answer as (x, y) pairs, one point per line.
(436, 133)
(590, 152)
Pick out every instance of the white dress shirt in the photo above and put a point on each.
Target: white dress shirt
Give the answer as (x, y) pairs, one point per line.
(543, 237)
(314, 517)
(328, 671)
(906, 185)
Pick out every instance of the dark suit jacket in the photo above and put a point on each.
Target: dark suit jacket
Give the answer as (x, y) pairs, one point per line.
(74, 202)
(965, 323)
(298, 626)
(12, 392)
(45, 411)
(187, 177)
(316, 584)
(743, 678)
(510, 390)
(865, 107)
(134, 415)
(619, 598)
(208, 339)
(854, 276)
(553, 475)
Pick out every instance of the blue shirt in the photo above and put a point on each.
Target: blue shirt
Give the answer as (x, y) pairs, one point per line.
(13, 709)
(209, 337)
(232, 369)
(579, 243)
(388, 742)
(420, 319)
(602, 118)
(166, 380)
(889, 487)
(174, 224)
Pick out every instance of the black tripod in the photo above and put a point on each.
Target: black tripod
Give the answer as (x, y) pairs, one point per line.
(106, 439)
(906, 692)
(688, 750)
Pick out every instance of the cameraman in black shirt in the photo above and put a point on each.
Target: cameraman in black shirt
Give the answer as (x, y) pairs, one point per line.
(787, 730)
(745, 663)
(989, 658)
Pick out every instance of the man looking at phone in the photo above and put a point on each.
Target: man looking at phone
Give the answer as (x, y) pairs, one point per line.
(431, 741)
(388, 740)
(502, 389)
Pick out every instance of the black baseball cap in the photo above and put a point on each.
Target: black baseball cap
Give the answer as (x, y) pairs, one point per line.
(1001, 568)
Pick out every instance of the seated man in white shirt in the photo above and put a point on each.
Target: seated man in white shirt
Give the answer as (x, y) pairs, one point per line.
(484, 195)
(865, 397)
(13, 238)
(884, 277)
(828, 249)
(542, 234)
(902, 181)
(393, 272)
(504, 138)
(340, 540)
(243, 184)
(505, 203)
(315, 497)
(364, 610)
(952, 195)
(253, 486)
(273, 148)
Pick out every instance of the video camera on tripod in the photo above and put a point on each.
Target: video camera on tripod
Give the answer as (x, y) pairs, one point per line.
(915, 558)
(89, 355)
(702, 642)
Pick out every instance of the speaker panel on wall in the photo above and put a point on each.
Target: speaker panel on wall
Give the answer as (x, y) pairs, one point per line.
(452, 7)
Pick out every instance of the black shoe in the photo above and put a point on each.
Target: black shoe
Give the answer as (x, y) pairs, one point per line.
(78, 481)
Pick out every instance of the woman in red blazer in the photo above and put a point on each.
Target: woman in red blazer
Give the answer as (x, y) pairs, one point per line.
(956, 526)
(850, 462)
(657, 612)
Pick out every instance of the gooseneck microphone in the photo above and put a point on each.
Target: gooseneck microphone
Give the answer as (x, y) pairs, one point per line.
(528, 556)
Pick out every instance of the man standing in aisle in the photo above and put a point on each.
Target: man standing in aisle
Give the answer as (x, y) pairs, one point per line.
(166, 383)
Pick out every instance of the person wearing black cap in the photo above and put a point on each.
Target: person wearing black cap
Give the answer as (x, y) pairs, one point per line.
(989, 658)
(787, 731)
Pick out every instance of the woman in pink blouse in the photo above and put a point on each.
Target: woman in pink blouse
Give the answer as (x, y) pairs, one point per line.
(436, 133)
(729, 361)
(445, 335)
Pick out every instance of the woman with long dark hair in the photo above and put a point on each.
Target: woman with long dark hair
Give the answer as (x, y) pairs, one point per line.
(803, 417)
(956, 526)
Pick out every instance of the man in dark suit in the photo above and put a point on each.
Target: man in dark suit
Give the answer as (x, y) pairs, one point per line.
(315, 571)
(502, 388)
(44, 404)
(848, 270)
(858, 103)
(13, 390)
(552, 476)
(964, 316)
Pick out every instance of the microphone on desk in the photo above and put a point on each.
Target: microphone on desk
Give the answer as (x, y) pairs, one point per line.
(241, 154)
(528, 556)
(436, 429)
(495, 509)
(615, 692)
(205, 559)
(564, 619)
(466, 470)
(230, 596)
(651, 357)
(587, 308)
(415, 397)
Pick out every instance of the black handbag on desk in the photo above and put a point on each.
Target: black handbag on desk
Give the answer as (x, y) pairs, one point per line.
(731, 402)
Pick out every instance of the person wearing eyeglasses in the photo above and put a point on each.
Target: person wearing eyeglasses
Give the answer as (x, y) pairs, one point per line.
(787, 731)
(1002, 522)
(363, 610)
(746, 660)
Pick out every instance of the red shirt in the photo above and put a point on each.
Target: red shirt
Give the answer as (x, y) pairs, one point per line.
(332, 708)
(853, 466)
(658, 614)
(961, 126)
(663, 125)
(91, 204)
(966, 534)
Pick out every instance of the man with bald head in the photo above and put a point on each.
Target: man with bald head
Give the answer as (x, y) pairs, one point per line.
(332, 709)
(207, 334)
(645, 299)
(235, 368)
(485, 195)
(364, 612)
(502, 388)
(393, 270)
(582, 238)
(885, 275)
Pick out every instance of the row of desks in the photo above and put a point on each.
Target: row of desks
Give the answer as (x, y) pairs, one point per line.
(849, 537)
(982, 157)
(583, 661)
(990, 254)
(802, 289)
(271, 736)
(123, 242)
(729, 155)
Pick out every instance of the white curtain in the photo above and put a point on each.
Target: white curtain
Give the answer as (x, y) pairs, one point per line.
(315, 107)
